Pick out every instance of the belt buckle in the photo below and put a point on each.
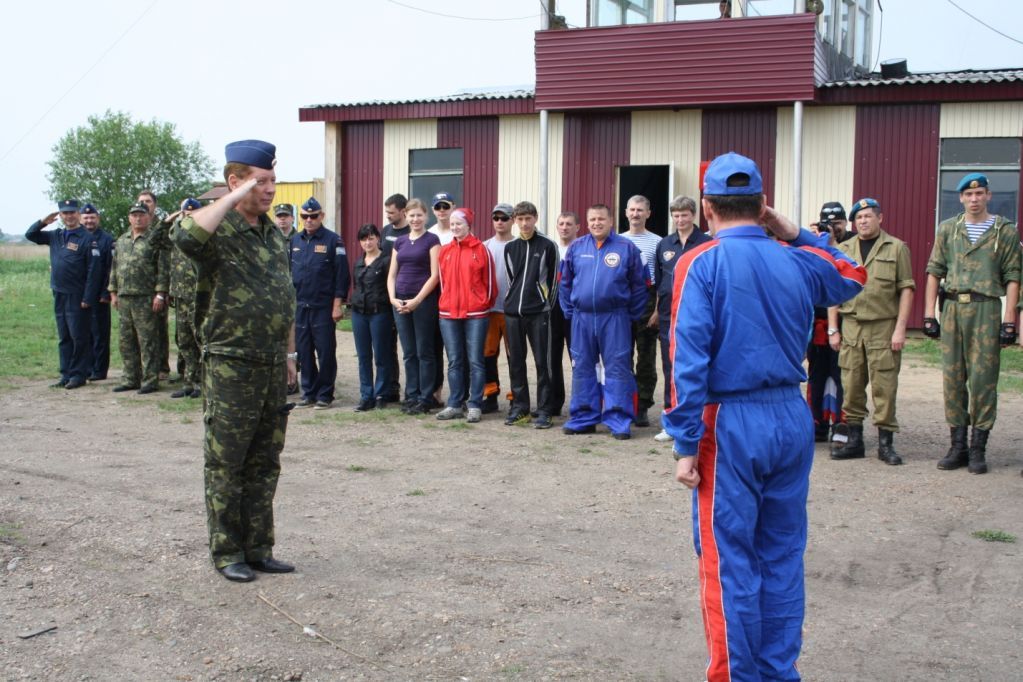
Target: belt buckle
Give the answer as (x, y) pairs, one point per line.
(963, 298)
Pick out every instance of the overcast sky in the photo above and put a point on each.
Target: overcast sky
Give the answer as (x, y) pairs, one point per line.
(223, 71)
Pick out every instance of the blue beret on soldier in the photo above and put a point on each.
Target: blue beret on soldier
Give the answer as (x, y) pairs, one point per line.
(68, 206)
(190, 204)
(252, 153)
(89, 209)
(864, 203)
(312, 206)
(972, 181)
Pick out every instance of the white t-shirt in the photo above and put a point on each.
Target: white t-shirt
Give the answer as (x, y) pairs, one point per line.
(496, 249)
(446, 237)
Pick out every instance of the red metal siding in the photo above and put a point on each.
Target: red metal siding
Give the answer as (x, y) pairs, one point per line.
(478, 138)
(750, 132)
(361, 183)
(926, 92)
(594, 146)
(897, 164)
(412, 110)
(691, 63)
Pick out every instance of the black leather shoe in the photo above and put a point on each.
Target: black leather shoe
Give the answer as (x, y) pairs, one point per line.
(239, 573)
(569, 431)
(74, 383)
(642, 419)
(97, 378)
(622, 436)
(59, 384)
(122, 388)
(270, 565)
(380, 403)
(365, 405)
(182, 393)
(148, 389)
(195, 393)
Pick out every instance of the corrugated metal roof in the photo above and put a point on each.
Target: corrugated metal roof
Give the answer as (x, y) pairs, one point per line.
(466, 96)
(939, 78)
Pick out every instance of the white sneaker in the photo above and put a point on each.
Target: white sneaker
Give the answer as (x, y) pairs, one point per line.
(473, 415)
(449, 413)
(662, 437)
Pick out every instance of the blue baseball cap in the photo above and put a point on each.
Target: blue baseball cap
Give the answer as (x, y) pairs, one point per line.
(190, 204)
(972, 181)
(442, 196)
(312, 206)
(732, 174)
(89, 209)
(252, 153)
(866, 202)
(68, 206)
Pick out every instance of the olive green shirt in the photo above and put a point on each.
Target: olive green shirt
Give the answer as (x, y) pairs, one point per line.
(139, 266)
(247, 305)
(984, 267)
(888, 273)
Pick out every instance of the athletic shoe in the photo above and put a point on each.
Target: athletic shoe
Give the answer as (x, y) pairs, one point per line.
(305, 402)
(449, 413)
(662, 437)
(542, 421)
(514, 417)
(321, 405)
(473, 415)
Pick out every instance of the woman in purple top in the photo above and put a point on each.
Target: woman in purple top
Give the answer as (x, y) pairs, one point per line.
(412, 286)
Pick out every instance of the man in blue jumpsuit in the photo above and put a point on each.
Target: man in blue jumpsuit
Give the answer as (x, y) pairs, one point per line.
(103, 248)
(319, 271)
(75, 281)
(742, 311)
(603, 291)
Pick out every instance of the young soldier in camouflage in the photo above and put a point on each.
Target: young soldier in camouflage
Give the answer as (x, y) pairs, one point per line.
(245, 315)
(182, 297)
(978, 256)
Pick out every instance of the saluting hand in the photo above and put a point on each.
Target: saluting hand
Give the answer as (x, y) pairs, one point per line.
(50, 218)
(780, 226)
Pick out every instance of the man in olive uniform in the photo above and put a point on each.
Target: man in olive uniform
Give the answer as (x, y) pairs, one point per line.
(284, 219)
(873, 331)
(245, 319)
(158, 218)
(103, 245)
(182, 297)
(138, 289)
(978, 256)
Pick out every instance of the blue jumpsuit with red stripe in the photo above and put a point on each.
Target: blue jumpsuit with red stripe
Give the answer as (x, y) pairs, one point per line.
(601, 291)
(742, 311)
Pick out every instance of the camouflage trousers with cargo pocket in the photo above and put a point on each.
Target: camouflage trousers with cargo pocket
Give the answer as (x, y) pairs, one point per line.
(188, 346)
(866, 356)
(971, 359)
(245, 418)
(139, 341)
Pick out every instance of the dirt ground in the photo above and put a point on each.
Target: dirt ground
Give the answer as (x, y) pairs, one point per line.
(430, 550)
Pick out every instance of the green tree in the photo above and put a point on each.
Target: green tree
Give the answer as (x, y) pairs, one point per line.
(109, 160)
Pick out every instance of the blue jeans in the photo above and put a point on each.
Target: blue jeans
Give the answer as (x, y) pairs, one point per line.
(463, 341)
(416, 331)
(374, 344)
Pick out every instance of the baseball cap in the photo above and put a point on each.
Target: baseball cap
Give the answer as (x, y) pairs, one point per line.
(832, 210)
(442, 196)
(502, 208)
(732, 174)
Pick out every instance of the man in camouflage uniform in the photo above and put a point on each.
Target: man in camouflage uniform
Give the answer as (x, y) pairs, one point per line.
(874, 326)
(158, 218)
(182, 297)
(138, 289)
(245, 315)
(284, 219)
(978, 256)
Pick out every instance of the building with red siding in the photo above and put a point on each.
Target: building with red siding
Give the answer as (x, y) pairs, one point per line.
(635, 109)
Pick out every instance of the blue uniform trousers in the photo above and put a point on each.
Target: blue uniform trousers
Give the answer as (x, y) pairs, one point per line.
(74, 339)
(316, 344)
(100, 326)
(606, 338)
(749, 527)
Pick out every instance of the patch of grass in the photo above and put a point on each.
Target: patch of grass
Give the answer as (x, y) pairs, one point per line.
(993, 536)
(9, 533)
(364, 441)
(417, 492)
(585, 451)
(1010, 377)
(459, 426)
(187, 420)
(513, 670)
(356, 468)
(180, 405)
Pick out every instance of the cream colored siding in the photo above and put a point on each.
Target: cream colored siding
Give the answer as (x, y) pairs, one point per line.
(669, 138)
(332, 162)
(829, 145)
(399, 138)
(556, 154)
(518, 169)
(985, 119)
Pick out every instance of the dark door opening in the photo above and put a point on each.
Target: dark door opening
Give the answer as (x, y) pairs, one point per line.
(651, 182)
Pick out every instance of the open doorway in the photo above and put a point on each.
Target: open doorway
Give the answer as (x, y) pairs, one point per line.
(653, 183)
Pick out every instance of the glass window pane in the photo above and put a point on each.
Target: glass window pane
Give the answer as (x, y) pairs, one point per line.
(606, 13)
(1004, 194)
(423, 187)
(862, 44)
(435, 160)
(846, 30)
(980, 151)
(635, 16)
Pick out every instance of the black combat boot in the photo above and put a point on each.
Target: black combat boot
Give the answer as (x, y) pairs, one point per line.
(852, 449)
(978, 444)
(885, 449)
(958, 455)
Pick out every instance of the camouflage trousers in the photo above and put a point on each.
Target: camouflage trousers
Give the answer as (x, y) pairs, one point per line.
(188, 347)
(971, 359)
(139, 341)
(163, 324)
(245, 418)
(644, 340)
(866, 356)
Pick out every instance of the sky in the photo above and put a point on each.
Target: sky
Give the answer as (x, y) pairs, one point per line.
(223, 71)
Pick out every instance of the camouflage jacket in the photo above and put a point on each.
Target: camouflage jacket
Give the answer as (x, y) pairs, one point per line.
(246, 307)
(984, 267)
(139, 264)
(182, 272)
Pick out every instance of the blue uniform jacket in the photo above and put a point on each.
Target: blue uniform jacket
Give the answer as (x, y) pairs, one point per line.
(103, 247)
(742, 311)
(319, 268)
(73, 270)
(669, 251)
(603, 280)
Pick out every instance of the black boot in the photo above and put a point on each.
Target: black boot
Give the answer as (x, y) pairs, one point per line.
(852, 449)
(958, 455)
(885, 449)
(978, 444)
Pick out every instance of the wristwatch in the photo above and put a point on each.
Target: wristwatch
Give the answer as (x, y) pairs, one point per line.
(293, 356)
(832, 331)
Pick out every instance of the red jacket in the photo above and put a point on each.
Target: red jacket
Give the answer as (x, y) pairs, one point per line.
(468, 280)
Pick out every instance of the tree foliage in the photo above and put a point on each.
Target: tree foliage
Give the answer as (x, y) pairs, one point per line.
(111, 159)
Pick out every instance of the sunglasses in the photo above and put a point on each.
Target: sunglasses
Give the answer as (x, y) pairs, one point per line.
(310, 216)
(442, 206)
(500, 218)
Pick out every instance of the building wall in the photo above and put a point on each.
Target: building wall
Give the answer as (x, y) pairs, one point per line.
(672, 137)
(594, 146)
(518, 173)
(555, 191)
(295, 193)
(985, 119)
(399, 138)
(478, 138)
(332, 166)
(750, 132)
(362, 174)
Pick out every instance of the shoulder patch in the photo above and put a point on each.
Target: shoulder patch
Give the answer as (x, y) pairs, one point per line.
(612, 260)
(339, 251)
(320, 248)
(668, 255)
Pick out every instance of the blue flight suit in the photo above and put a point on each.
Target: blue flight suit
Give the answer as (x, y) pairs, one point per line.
(319, 271)
(602, 291)
(75, 279)
(742, 310)
(103, 248)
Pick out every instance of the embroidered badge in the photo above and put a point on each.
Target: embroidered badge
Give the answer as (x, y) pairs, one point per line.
(320, 248)
(339, 251)
(73, 246)
(612, 260)
(668, 255)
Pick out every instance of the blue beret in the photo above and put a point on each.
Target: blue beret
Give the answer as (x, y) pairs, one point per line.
(89, 209)
(68, 206)
(864, 203)
(972, 181)
(252, 153)
(312, 206)
(732, 174)
(190, 204)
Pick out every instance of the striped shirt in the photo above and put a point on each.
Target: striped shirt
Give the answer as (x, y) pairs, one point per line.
(647, 243)
(975, 231)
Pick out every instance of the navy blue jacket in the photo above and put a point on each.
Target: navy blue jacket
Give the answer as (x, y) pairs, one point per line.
(669, 250)
(73, 270)
(319, 268)
(103, 246)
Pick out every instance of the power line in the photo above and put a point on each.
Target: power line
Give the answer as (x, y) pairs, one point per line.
(455, 16)
(75, 84)
(985, 25)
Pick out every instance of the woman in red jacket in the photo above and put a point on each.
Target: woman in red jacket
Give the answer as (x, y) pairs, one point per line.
(468, 288)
